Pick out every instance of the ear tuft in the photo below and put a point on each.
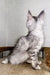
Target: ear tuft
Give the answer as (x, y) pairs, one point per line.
(41, 13)
(29, 12)
(29, 15)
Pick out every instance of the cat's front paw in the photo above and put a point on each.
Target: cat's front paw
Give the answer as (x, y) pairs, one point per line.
(37, 67)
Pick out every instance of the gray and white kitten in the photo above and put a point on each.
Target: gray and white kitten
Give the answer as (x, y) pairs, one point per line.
(28, 47)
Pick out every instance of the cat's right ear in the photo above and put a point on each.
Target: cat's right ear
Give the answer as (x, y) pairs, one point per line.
(29, 15)
(41, 15)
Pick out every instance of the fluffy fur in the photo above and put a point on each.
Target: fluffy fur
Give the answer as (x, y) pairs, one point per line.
(28, 47)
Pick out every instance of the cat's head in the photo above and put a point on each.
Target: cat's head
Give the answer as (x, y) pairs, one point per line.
(32, 21)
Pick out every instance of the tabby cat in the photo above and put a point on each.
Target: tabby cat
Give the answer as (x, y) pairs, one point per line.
(27, 47)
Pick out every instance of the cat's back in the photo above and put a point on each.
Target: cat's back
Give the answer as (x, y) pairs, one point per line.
(22, 44)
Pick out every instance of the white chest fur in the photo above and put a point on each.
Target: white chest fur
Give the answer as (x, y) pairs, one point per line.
(38, 31)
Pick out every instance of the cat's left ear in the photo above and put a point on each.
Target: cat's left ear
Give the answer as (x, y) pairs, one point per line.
(29, 15)
(41, 15)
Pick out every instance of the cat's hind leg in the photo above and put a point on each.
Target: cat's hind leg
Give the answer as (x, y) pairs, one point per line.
(28, 60)
(5, 61)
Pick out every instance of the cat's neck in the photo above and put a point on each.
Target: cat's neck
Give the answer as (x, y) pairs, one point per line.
(38, 31)
(38, 28)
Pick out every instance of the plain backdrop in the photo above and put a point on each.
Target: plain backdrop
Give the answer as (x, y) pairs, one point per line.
(13, 16)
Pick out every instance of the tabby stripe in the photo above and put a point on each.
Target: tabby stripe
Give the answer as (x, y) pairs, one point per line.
(32, 52)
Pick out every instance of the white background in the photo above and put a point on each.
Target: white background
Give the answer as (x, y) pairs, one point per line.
(13, 15)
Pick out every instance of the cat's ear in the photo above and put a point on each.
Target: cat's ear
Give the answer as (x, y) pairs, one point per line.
(29, 15)
(41, 15)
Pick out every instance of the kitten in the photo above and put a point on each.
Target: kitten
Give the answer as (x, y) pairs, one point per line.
(28, 47)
